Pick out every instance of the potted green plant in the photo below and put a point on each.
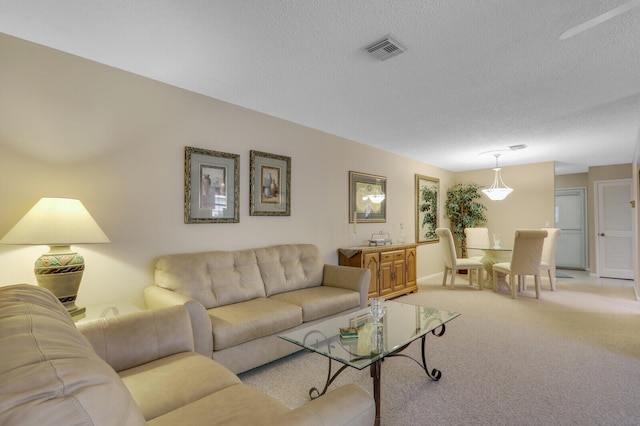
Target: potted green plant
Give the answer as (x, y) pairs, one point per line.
(463, 210)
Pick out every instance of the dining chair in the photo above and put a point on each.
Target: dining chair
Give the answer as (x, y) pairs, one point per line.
(476, 237)
(525, 260)
(453, 263)
(548, 262)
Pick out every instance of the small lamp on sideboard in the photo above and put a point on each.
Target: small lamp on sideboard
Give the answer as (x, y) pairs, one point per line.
(58, 223)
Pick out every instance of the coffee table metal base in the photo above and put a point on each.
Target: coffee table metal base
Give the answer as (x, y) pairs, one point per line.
(315, 393)
(376, 371)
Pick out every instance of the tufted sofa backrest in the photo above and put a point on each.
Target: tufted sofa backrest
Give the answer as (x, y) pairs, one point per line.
(214, 278)
(290, 267)
(219, 278)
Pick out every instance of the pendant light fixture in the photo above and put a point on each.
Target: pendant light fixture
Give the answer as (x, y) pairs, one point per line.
(498, 190)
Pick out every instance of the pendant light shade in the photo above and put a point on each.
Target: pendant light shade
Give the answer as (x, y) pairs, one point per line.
(498, 190)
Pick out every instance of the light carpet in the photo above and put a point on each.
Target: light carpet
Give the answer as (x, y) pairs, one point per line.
(571, 357)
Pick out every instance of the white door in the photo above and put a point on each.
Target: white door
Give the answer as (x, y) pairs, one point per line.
(571, 218)
(614, 228)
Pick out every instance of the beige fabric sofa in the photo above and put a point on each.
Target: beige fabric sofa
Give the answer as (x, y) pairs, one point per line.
(133, 369)
(240, 301)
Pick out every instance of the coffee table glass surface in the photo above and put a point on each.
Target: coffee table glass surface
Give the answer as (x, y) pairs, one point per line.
(401, 324)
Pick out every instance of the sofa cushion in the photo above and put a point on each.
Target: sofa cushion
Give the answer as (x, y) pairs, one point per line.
(212, 278)
(320, 302)
(235, 405)
(241, 322)
(169, 383)
(49, 373)
(289, 267)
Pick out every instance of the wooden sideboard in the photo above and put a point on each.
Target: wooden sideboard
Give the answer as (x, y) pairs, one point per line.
(393, 267)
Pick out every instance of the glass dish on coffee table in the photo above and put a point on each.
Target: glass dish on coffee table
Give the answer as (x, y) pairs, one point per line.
(401, 324)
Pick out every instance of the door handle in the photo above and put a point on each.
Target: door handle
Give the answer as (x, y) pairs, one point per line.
(601, 234)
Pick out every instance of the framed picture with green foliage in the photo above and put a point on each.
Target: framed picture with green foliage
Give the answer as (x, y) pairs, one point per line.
(427, 201)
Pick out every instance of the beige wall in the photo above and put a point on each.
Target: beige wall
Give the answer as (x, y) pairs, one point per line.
(529, 206)
(578, 180)
(73, 128)
(635, 171)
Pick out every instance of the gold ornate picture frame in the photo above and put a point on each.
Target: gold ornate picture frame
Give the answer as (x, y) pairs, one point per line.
(211, 186)
(367, 197)
(270, 184)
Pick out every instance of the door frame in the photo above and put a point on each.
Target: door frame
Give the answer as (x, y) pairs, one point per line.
(597, 213)
(584, 240)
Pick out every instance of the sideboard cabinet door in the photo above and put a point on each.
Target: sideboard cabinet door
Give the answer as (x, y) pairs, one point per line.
(371, 261)
(393, 268)
(411, 268)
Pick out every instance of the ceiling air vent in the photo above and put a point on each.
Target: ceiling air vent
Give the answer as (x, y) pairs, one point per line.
(517, 147)
(386, 48)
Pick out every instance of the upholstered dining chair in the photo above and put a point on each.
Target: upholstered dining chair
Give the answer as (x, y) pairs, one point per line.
(452, 263)
(525, 260)
(476, 237)
(548, 262)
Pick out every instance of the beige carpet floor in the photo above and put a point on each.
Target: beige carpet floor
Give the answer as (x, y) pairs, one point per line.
(570, 358)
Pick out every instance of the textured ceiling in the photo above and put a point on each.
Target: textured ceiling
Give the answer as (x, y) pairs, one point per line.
(477, 76)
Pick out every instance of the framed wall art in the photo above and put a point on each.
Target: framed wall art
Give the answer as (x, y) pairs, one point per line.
(427, 201)
(367, 198)
(270, 184)
(211, 186)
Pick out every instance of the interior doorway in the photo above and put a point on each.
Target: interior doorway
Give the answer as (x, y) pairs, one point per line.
(571, 218)
(614, 228)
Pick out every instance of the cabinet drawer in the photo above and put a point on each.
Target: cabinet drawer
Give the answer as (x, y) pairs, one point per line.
(390, 256)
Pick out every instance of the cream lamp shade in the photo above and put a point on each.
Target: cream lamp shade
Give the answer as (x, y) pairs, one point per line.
(58, 223)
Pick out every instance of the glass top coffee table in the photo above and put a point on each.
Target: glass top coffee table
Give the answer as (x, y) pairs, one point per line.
(401, 325)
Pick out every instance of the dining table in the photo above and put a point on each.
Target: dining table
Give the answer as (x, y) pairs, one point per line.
(493, 255)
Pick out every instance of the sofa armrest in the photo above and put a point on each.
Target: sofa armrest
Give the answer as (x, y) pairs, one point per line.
(349, 405)
(129, 340)
(158, 297)
(356, 279)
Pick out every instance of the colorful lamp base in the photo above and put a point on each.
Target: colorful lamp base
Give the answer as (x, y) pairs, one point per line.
(60, 271)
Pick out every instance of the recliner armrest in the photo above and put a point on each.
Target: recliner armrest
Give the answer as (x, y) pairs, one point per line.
(158, 297)
(349, 405)
(129, 340)
(348, 277)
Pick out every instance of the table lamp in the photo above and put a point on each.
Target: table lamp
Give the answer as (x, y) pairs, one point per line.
(58, 223)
